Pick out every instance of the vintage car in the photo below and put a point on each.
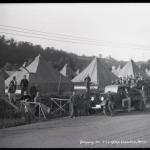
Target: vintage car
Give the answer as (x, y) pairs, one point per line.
(96, 99)
(146, 84)
(116, 94)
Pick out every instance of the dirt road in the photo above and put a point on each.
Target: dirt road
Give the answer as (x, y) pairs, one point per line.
(122, 130)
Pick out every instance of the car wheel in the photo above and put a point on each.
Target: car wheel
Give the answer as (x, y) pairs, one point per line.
(139, 105)
(91, 111)
(142, 105)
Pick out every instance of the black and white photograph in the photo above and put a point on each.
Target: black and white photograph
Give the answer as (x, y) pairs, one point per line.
(75, 75)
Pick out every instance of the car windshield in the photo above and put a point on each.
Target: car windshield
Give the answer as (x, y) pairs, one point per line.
(112, 89)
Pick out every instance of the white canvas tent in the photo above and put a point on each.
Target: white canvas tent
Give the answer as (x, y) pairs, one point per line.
(63, 71)
(67, 71)
(43, 75)
(131, 69)
(116, 71)
(98, 73)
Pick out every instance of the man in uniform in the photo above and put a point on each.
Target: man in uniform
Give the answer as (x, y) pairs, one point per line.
(24, 85)
(143, 94)
(127, 99)
(87, 102)
(73, 109)
(33, 91)
(87, 82)
(110, 103)
(12, 89)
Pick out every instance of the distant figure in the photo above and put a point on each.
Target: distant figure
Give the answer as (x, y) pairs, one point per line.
(12, 89)
(112, 82)
(132, 83)
(128, 99)
(87, 81)
(117, 82)
(110, 103)
(120, 80)
(143, 93)
(24, 85)
(33, 91)
(37, 97)
(87, 102)
(73, 109)
(25, 97)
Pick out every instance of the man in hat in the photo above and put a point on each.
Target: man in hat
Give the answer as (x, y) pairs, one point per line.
(87, 82)
(24, 84)
(73, 105)
(127, 99)
(33, 91)
(12, 89)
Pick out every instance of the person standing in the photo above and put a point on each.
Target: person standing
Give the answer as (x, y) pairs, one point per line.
(143, 93)
(24, 85)
(33, 91)
(87, 81)
(26, 97)
(87, 102)
(127, 99)
(73, 105)
(110, 103)
(12, 89)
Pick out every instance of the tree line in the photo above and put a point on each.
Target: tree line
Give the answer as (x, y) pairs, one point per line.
(14, 53)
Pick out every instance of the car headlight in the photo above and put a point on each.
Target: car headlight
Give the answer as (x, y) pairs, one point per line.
(102, 98)
(92, 98)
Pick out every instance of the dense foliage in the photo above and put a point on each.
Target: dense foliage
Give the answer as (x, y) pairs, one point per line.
(13, 54)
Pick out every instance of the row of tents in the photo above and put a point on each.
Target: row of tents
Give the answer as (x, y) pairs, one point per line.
(49, 80)
(130, 69)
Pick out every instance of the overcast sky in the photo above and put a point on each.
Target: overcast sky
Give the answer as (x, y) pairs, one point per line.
(119, 30)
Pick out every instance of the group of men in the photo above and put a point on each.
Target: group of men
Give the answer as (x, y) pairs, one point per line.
(24, 85)
(75, 98)
(129, 80)
(79, 104)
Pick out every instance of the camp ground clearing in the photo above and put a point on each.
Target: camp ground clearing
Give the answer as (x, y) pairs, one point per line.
(122, 130)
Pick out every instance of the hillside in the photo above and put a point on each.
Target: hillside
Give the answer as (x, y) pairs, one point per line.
(13, 54)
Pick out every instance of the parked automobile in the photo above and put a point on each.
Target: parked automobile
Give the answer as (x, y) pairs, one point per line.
(95, 101)
(116, 93)
(146, 84)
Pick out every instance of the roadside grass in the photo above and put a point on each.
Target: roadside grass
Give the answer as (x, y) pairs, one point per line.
(5, 123)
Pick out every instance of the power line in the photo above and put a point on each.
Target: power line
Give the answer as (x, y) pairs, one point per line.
(74, 42)
(106, 43)
(47, 38)
(70, 37)
(86, 42)
(48, 33)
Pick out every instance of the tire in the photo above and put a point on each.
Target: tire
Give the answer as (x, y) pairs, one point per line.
(139, 106)
(92, 111)
(142, 106)
(136, 106)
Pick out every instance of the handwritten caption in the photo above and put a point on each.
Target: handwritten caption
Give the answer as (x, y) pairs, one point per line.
(86, 142)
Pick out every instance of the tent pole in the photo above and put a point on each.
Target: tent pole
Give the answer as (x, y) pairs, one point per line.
(39, 111)
(59, 84)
